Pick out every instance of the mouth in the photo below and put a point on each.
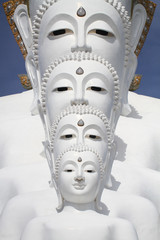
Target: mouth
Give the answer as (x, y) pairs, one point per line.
(79, 186)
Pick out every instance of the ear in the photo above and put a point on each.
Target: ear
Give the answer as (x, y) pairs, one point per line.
(43, 119)
(33, 76)
(23, 24)
(138, 22)
(49, 157)
(128, 77)
(109, 162)
(116, 111)
(139, 17)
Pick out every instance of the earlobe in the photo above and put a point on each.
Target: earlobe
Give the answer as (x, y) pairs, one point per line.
(47, 146)
(33, 76)
(49, 157)
(128, 76)
(42, 116)
(48, 154)
(23, 24)
(108, 168)
(138, 22)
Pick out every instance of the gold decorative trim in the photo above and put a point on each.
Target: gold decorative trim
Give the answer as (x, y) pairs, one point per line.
(135, 82)
(150, 9)
(9, 8)
(25, 81)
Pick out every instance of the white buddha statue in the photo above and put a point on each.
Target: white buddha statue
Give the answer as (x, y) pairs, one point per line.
(61, 71)
(103, 28)
(79, 175)
(78, 124)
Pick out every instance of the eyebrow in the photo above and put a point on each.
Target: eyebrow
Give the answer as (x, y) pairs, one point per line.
(107, 19)
(60, 76)
(67, 162)
(102, 77)
(67, 127)
(89, 162)
(96, 127)
(61, 17)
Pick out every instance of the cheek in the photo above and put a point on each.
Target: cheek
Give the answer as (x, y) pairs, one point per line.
(102, 101)
(112, 51)
(100, 146)
(53, 49)
(60, 145)
(65, 182)
(92, 181)
(93, 184)
(54, 103)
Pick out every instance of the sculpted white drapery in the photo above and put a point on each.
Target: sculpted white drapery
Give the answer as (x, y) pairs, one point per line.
(81, 62)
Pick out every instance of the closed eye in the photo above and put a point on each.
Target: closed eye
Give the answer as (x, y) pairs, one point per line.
(68, 136)
(62, 89)
(101, 33)
(59, 33)
(68, 170)
(96, 89)
(94, 137)
(90, 171)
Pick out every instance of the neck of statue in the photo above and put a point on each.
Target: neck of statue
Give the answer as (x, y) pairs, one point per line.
(68, 206)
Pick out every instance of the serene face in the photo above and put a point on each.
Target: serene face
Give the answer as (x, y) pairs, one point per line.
(85, 82)
(76, 129)
(99, 30)
(79, 177)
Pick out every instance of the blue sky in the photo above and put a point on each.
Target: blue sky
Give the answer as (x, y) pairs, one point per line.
(12, 62)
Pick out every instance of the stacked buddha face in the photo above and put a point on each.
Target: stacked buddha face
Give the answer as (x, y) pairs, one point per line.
(79, 149)
(81, 60)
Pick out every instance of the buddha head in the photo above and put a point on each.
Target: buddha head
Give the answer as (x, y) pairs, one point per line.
(81, 125)
(76, 131)
(54, 28)
(79, 177)
(80, 78)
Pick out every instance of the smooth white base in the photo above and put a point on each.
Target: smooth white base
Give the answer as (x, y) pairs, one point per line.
(22, 198)
(79, 225)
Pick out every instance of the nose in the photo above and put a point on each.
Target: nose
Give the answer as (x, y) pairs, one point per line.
(79, 96)
(79, 179)
(80, 139)
(79, 102)
(81, 44)
(79, 175)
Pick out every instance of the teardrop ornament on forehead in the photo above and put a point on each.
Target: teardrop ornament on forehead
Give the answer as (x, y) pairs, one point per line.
(80, 123)
(81, 12)
(79, 159)
(79, 71)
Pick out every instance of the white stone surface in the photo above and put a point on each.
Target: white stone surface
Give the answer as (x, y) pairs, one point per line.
(21, 209)
(79, 226)
(136, 178)
(19, 131)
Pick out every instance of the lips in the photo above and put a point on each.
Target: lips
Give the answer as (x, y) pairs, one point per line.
(79, 186)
